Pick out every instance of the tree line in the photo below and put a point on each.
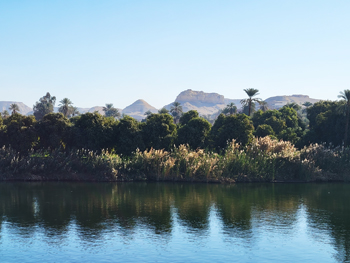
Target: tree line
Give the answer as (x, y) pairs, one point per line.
(324, 121)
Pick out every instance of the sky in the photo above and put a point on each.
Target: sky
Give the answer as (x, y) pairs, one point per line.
(118, 51)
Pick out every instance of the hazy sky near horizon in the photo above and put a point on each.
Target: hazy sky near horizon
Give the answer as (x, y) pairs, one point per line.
(118, 51)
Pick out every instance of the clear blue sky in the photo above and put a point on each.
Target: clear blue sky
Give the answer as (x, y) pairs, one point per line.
(118, 51)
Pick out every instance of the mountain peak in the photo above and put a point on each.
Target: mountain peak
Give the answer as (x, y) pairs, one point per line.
(200, 97)
(138, 109)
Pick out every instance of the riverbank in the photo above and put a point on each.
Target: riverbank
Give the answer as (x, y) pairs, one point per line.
(264, 160)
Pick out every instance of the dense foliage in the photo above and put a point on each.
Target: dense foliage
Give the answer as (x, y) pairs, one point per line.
(326, 124)
(181, 145)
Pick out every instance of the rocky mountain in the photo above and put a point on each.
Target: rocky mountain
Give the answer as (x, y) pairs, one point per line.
(211, 103)
(138, 108)
(23, 109)
(205, 103)
(200, 98)
(279, 101)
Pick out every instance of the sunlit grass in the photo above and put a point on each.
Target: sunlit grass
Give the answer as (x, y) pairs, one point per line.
(264, 160)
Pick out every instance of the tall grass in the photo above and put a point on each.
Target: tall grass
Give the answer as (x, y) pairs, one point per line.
(264, 160)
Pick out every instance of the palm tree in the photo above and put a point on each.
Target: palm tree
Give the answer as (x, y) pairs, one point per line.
(65, 106)
(248, 102)
(44, 106)
(176, 111)
(5, 114)
(307, 104)
(230, 109)
(163, 110)
(110, 111)
(148, 113)
(293, 105)
(264, 106)
(345, 96)
(73, 111)
(14, 108)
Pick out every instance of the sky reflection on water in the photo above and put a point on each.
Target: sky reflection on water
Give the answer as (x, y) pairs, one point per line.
(140, 222)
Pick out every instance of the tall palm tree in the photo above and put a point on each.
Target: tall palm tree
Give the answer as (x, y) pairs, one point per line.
(14, 108)
(264, 106)
(110, 111)
(230, 109)
(248, 102)
(345, 96)
(65, 106)
(176, 111)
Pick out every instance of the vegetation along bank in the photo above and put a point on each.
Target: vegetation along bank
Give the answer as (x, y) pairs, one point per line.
(294, 143)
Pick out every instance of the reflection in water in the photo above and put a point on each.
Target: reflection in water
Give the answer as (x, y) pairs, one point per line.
(244, 217)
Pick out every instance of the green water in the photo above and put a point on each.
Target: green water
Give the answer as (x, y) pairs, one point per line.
(164, 222)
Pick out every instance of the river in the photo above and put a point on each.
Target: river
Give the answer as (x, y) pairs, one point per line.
(174, 222)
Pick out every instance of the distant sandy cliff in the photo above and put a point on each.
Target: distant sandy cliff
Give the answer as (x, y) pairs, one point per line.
(204, 103)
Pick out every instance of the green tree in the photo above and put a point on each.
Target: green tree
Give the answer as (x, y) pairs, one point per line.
(307, 104)
(44, 106)
(53, 131)
(163, 110)
(128, 136)
(293, 105)
(290, 116)
(265, 130)
(5, 114)
(14, 108)
(19, 132)
(110, 111)
(226, 128)
(65, 107)
(345, 107)
(230, 109)
(92, 131)
(248, 102)
(187, 116)
(159, 131)
(326, 123)
(148, 113)
(194, 133)
(284, 122)
(176, 111)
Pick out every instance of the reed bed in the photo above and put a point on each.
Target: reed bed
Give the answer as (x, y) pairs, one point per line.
(263, 160)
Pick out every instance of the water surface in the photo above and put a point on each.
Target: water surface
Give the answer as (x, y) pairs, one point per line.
(164, 222)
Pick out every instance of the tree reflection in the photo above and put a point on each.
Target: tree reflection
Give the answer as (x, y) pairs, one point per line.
(95, 209)
(329, 211)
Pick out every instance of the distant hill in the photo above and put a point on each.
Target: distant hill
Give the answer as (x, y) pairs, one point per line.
(23, 109)
(200, 98)
(204, 103)
(211, 103)
(85, 110)
(138, 108)
(279, 101)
